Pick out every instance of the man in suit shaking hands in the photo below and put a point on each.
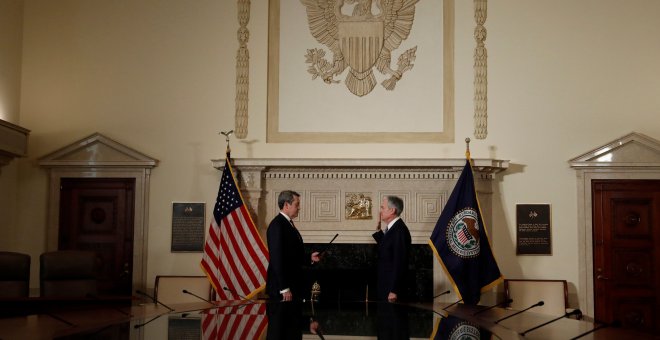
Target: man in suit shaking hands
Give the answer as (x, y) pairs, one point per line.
(393, 250)
(287, 254)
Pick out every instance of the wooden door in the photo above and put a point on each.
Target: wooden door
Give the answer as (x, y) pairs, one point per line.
(626, 215)
(97, 214)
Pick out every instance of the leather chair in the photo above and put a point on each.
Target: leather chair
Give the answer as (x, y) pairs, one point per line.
(14, 275)
(169, 288)
(68, 273)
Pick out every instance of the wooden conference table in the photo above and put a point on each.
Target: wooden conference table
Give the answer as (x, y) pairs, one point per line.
(135, 318)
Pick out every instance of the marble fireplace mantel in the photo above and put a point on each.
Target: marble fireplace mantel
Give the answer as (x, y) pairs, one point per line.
(328, 185)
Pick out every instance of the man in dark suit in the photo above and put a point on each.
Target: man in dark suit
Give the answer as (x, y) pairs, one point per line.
(393, 250)
(287, 254)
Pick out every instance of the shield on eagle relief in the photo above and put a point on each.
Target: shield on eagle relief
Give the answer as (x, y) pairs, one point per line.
(360, 43)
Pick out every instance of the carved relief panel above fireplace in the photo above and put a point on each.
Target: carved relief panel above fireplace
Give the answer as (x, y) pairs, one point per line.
(331, 188)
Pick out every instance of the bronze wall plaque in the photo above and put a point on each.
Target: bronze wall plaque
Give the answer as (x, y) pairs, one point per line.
(188, 221)
(533, 235)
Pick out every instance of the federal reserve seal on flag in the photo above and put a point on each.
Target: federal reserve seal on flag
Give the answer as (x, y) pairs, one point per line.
(465, 331)
(463, 233)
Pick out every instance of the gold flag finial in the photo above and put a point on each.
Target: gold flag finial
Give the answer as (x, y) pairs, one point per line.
(227, 134)
(467, 148)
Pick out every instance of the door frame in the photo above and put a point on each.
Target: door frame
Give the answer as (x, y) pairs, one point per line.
(97, 156)
(631, 157)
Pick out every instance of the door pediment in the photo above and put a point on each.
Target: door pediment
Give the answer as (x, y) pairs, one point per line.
(632, 150)
(97, 150)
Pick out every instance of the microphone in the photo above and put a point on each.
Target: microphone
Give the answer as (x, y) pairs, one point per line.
(614, 323)
(453, 304)
(574, 312)
(232, 292)
(540, 303)
(145, 323)
(441, 294)
(197, 296)
(154, 299)
(505, 302)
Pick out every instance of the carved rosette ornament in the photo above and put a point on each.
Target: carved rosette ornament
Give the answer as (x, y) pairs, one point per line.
(242, 70)
(480, 72)
(359, 41)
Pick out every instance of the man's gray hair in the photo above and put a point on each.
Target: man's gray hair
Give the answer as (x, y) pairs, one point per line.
(286, 196)
(396, 203)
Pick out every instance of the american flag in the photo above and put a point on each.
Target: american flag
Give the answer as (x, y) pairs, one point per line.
(235, 257)
(246, 321)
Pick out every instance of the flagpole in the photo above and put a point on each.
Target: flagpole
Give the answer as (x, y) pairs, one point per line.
(467, 148)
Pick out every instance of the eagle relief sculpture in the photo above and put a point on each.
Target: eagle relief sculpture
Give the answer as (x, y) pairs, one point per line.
(360, 41)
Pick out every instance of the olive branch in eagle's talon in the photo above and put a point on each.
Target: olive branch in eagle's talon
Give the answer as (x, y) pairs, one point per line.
(319, 67)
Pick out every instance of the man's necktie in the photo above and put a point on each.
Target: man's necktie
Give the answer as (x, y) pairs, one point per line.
(296, 229)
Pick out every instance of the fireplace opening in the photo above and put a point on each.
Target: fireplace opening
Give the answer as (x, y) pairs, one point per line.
(347, 272)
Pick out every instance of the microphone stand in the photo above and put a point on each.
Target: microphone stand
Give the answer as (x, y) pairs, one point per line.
(505, 302)
(452, 304)
(144, 324)
(540, 303)
(234, 293)
(197, 296)
(441, 294)
(156, 302)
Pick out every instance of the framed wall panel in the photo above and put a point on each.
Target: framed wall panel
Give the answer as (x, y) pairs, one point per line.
(307, 109)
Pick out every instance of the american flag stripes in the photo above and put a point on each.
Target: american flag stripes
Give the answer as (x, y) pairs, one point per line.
(246, 321)
(235, 256)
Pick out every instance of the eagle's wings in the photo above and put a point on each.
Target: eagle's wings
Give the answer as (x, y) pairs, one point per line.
(398, 20)
(322, 18)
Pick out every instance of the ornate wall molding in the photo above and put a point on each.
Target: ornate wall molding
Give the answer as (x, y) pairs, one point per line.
(13, 142)
(480, 71)
(242, 70)
(423, 184)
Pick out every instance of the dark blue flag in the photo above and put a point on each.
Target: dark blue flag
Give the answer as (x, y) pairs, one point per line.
(452, 327)
(461, 244)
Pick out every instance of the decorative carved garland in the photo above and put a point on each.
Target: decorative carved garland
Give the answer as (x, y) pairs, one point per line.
(480, 72)
(242, 70)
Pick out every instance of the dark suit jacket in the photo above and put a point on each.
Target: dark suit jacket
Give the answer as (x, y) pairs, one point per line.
(287, 258)
(393, 254)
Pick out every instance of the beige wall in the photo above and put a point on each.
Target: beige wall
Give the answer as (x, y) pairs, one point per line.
(11, 28)
(158, 75)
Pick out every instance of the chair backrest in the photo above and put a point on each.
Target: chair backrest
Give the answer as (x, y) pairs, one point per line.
(14, 275)
(68, 273)
(553, 293)
(169, 288)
